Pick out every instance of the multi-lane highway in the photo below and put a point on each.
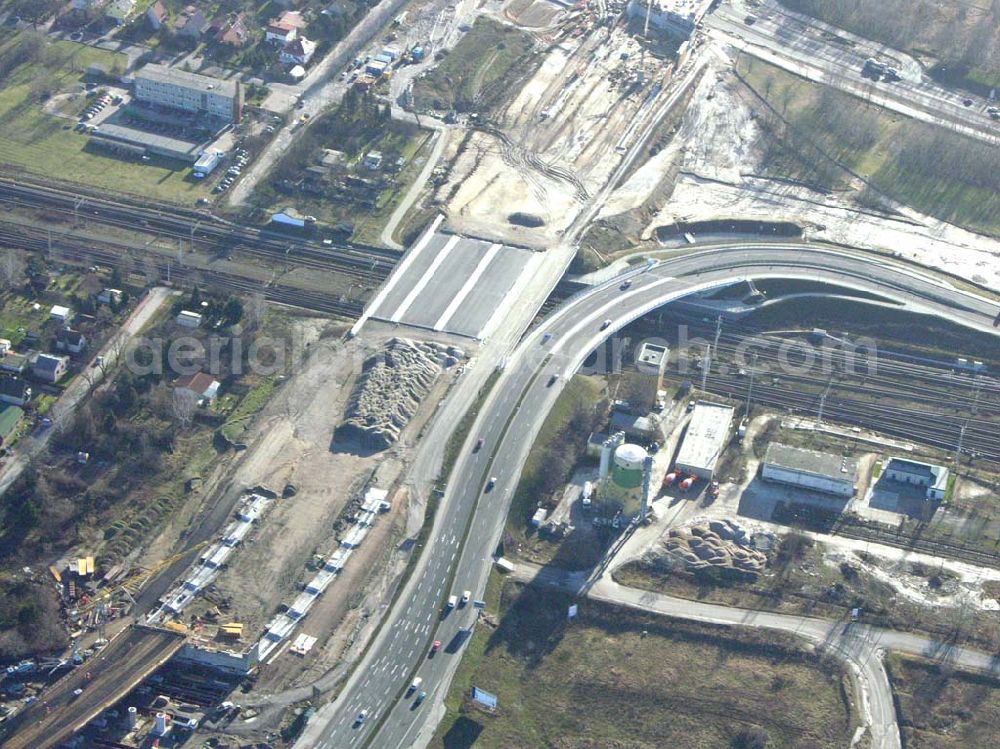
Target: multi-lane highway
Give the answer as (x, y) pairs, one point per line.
(833, 57)
(458, 555)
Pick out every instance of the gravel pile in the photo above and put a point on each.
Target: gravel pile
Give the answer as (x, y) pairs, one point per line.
(391, 388)
(720, 543)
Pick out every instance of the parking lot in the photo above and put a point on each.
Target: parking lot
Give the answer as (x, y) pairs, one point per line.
(453, 284)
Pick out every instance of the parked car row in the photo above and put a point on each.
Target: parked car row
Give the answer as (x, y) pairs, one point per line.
(97, 107)
(240, 159)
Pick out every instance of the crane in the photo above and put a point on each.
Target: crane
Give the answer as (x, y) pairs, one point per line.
(134, 583)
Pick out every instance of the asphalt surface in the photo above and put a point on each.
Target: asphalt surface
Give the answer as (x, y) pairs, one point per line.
(858, 644)
(451, 283)
(509, 423)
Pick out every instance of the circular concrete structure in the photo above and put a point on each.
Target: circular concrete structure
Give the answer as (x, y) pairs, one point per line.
(630, 457)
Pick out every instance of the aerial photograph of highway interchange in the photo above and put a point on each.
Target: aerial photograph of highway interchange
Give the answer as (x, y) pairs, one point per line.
(499, 373)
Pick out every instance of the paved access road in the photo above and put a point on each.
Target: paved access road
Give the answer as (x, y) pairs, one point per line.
(509, 423)
(831, 56)
(92, 374)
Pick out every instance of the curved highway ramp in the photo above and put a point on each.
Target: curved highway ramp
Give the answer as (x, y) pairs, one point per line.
(105, 679)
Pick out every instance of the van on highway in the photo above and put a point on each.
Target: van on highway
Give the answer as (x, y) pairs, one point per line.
(415, 685)
(452, 601)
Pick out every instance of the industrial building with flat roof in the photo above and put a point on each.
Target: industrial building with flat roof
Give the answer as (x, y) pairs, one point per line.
(145, 141)
(809, 469)
(190, 92)
(706, 438)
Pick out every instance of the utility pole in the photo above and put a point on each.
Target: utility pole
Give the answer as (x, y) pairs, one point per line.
(76, 210)
(193, 230)
(961, 439)
(822, 403)
(753, 364)
(718, 332)
(706, 364)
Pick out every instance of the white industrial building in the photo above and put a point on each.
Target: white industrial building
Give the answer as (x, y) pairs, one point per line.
(706, 438)
(932, 477)
(809, 469)
(677, 18)
(191, 92)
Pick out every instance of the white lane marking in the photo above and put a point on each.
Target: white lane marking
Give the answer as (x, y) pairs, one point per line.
(400, 270)
(452, 308)
(425, 279)
(615, 302)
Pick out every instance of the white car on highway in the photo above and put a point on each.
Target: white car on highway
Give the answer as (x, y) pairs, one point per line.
(466, 595)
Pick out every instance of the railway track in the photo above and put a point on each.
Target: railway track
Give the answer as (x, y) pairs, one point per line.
(929, 403)
(213, 233)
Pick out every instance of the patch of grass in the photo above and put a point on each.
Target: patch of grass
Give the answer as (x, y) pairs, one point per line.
(581, 393)
(44, 144)
(823, 137)
(942, 708)
(241, 418)
(613, 677)
(368, 227)
(476, 68)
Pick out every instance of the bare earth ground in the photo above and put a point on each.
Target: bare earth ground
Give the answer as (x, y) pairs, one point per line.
(290, 443)
(558, 142)
(293, 444)
(719, 167)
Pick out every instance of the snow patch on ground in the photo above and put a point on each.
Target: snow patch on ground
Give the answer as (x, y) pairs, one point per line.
(965, 591)
(719, 166)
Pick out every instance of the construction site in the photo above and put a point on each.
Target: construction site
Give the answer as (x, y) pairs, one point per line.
(281, 594)
(533, 157)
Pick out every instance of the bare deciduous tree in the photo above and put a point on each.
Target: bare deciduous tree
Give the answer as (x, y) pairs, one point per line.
(12, 267)
(184, 403)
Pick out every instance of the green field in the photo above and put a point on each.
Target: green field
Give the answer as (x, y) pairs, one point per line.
(615, 678)
(823, 137)
(475, 69)
(47, 145)
(241, 418)
(942, 708)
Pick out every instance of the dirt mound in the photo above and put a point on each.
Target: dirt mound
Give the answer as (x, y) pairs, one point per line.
(391, 388)
(719, 543)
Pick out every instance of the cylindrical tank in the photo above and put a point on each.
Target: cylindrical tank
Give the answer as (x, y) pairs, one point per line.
(133, 717)
(630, 457)
(160, 724)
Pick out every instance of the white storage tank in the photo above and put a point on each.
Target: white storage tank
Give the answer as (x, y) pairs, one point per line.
(630, 457)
